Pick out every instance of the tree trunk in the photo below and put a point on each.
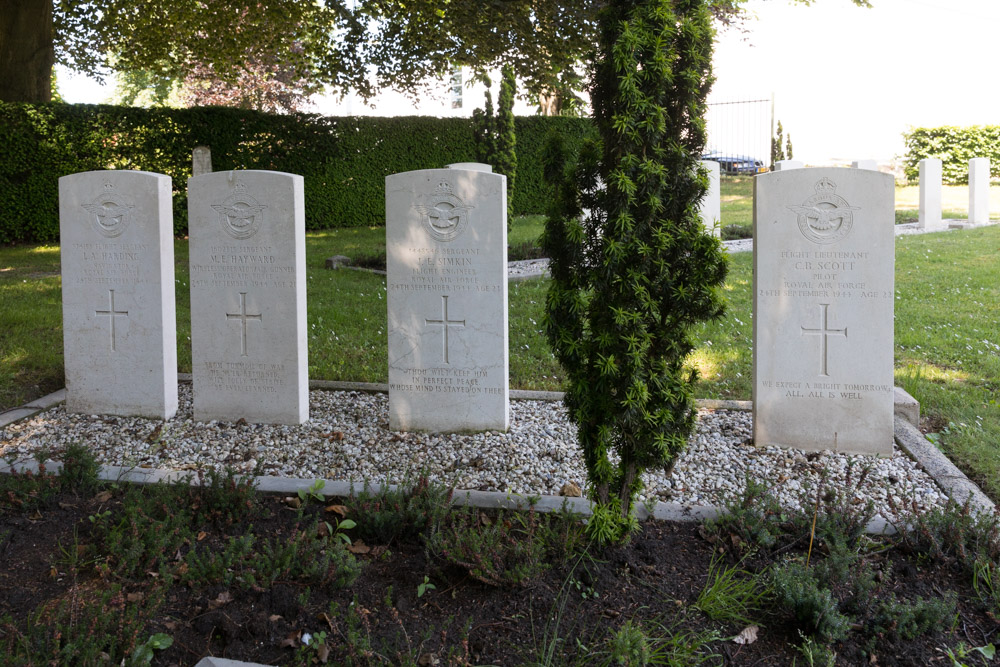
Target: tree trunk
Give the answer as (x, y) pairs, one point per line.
(26, 51)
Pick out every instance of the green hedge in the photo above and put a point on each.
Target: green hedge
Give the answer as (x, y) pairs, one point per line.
(344, 161)
(954, 146)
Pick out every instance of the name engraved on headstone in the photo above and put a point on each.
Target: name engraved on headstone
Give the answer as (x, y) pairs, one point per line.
(823, 303)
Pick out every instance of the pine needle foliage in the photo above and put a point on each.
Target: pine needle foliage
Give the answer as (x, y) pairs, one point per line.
(632, 267)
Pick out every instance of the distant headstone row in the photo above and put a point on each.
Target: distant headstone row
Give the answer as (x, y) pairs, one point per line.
(930, 215)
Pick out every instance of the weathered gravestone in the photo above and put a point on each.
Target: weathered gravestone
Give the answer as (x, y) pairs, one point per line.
(446, 256)
(979, 190)
(823, 310)
(201, 161)
(710, 207)
(248, 297)
(930, 194)
(865, 164)
(119, 326)
(474, 166)
(785, 165)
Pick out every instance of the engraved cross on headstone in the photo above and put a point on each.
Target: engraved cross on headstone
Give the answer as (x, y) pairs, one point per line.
(112, 313)
(243, 317)
(445, 324)
(824, 332)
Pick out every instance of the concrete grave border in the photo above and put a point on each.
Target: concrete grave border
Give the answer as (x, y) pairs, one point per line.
(907, 412)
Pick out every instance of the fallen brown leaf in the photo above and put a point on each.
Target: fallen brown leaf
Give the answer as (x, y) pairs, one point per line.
(323, 652)
(326, 617)
(170, 625)
(67, 506)
(134, 597)
(339, 509)
(291, 641)
(202, 535)
(274, 618)
(358, 547)
(293, 502)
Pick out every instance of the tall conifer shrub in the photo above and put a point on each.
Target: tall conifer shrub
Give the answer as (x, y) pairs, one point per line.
(494, 134)
(632, 267)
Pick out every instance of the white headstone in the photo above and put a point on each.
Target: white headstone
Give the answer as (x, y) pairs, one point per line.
(823, 310)
(119, 326)
(248, 297)
(711, 205)
(979, 190)
(474, 166)
(785, 165)
(865, 164)
(201, 161)
(446, 256)
(930, 193)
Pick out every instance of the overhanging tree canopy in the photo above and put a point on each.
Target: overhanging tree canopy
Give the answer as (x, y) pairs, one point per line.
(360, 45)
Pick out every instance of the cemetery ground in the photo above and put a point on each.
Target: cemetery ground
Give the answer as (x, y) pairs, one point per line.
(118, 569)
(101, 573)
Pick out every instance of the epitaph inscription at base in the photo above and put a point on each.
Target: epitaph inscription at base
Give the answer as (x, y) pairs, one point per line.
(119, 324)
(823, 310)
(446, 248)
(248, 303)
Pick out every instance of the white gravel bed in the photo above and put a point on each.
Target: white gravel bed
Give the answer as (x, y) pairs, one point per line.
(348, 438)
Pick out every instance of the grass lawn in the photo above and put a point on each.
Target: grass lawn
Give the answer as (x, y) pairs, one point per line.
(947, 332)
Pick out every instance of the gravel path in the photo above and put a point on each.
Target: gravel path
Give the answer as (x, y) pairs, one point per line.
(347, 438)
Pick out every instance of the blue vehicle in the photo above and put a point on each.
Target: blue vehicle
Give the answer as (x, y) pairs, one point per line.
(740, 164)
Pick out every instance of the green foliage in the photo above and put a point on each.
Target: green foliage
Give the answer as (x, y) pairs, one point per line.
(910, 620)
(143, 536)
(24, 491)
(777, 147)
(402, 513)
(321, 562)
(222, 498)
(206, 567)
(143, 654)
(813, 608)
(954, 146)
(92, 628)
(495, 136)
(955, 531)
(79, 469)
(752, 520)
(632, 277)
(344, 161)
(732, 595)
(505, 550)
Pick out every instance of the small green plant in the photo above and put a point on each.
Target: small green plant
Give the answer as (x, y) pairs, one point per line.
(425, 586)
(402, 513)
(500, 551)
(143, 654)
(813, 608)
(306, 558)
(733, 595)
(815, 654)
(910, 620)
(210, 566)
(80, 470)
(223, 498)
(753, 520)
(961, 652)
(314, 492)
(737, 231)
(336, 527)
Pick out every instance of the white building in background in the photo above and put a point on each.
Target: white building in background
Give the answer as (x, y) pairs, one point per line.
(448, 97)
